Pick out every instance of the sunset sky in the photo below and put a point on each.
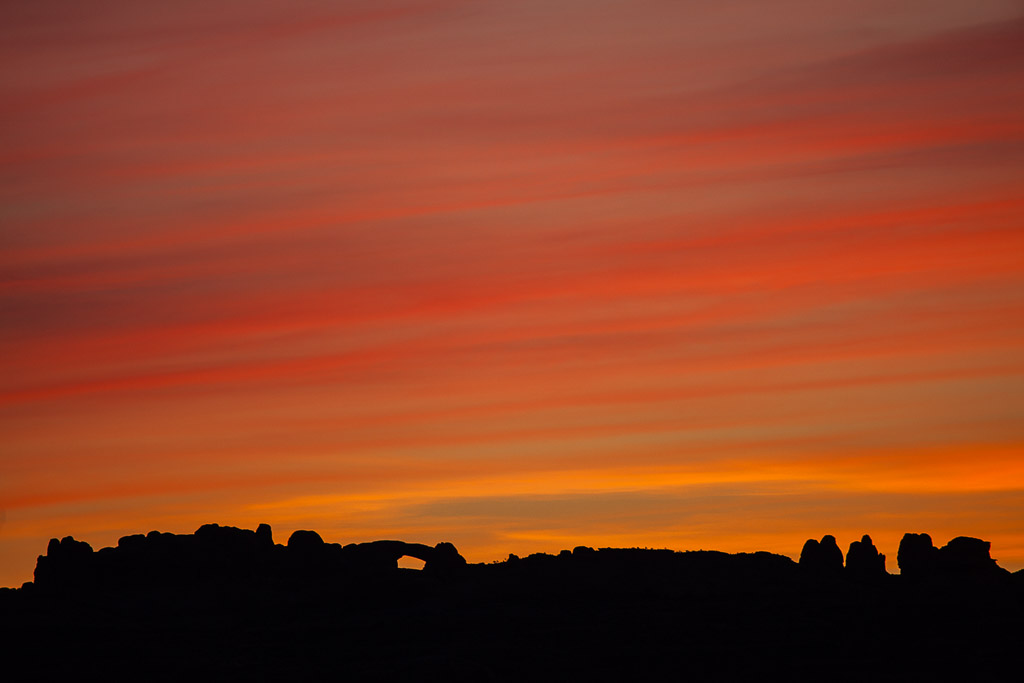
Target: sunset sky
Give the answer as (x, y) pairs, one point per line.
(519, 275)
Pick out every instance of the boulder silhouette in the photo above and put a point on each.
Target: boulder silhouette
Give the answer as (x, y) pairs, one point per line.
(917, 557)
(305, 540)
(863, 559)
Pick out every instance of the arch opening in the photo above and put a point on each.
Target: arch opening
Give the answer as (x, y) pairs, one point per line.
(409, 562)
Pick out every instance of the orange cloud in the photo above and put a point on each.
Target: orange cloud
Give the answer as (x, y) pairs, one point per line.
(513, 275)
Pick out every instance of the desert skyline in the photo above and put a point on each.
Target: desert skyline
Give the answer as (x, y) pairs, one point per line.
(518, 276)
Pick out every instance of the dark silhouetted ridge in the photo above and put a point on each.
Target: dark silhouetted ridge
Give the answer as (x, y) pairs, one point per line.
(231, 604)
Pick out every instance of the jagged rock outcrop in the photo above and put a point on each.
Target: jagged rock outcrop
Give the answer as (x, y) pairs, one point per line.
(962, 557)
(863, 559)
(822, 557)
(67, 563)
(968, 556)
(213, 555)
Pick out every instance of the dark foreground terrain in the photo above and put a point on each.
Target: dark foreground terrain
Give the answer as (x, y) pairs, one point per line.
(230, 604)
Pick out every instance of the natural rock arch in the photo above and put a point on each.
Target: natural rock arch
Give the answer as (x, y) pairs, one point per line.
(384, 555)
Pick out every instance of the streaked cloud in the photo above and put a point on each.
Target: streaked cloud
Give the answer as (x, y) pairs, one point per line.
(518, 275)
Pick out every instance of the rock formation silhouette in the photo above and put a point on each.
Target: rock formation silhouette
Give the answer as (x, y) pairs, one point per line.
(962, 557)
(230, 604)
(66, 563)
(966, 555)
(217, 554)
(305, 541)
(822, 557)
(863, 559)
(917, 556)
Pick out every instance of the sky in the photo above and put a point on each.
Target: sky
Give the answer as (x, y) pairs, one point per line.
(516, 275)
